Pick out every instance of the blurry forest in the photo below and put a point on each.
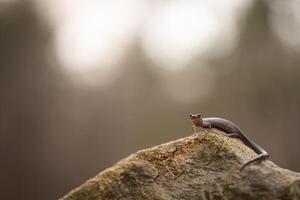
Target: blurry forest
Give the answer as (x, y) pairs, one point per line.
(55, 133)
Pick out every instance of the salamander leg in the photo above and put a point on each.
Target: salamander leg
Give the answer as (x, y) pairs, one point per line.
(194, 129)
(207, 125)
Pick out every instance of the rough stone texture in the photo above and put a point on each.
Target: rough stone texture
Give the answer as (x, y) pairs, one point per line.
(203, 166)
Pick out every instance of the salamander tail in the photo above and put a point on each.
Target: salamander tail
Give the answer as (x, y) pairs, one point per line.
(261, 156)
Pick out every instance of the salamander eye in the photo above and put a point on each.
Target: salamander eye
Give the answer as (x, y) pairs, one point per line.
(199, 115)
(190, 115)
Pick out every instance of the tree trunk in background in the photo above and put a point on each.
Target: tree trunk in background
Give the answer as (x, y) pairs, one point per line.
(203, 166)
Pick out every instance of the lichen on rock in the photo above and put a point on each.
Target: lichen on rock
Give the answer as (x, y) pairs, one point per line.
(202, 166)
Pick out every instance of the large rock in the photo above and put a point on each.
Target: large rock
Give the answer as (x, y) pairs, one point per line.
(203, 166)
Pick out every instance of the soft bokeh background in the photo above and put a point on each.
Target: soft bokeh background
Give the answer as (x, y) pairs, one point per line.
(85, 83)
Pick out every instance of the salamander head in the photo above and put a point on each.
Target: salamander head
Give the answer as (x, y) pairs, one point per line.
(196, 119)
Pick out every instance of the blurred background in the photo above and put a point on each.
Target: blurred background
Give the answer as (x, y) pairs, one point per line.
(86, 83)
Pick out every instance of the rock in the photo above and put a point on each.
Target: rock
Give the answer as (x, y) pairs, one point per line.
(202, 166)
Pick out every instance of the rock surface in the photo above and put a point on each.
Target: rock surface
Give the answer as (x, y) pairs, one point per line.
(202, 166)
